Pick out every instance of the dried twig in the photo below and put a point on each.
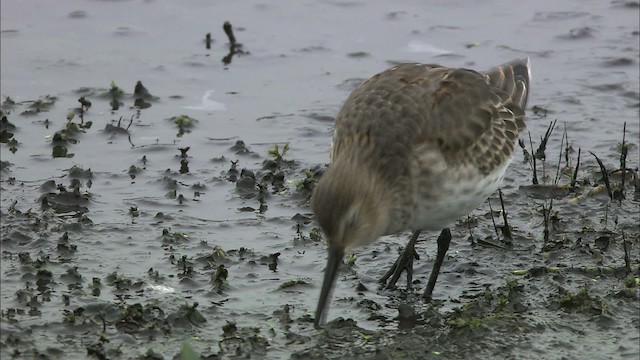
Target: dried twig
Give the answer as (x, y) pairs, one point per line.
(574, 179)
(627, 261)
(506, 231)
(619, 194)
(605, 175)
(535, 174)
(540, 152)
(557, 179)
(495, 227)
(546, 215)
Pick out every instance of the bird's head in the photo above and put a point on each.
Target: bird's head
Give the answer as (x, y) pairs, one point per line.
(352, 207)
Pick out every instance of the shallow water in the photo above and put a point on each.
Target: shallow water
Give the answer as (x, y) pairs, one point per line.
(302, 59)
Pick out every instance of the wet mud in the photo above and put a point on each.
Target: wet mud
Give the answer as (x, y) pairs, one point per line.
(157, 161)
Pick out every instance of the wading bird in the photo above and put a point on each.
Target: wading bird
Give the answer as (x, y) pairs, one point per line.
(416, 147)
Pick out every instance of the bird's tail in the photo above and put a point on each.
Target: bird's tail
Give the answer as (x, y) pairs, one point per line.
(513, 78)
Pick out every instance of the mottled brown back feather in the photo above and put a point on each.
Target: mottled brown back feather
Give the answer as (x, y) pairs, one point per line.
(471, 117)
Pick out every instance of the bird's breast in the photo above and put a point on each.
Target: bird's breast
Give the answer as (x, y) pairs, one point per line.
(440, 198)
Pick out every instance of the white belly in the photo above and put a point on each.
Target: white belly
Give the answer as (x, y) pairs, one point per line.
(455, 195)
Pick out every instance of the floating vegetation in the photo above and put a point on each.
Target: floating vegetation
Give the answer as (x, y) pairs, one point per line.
(154, 239)
(35, 107)
(7, 130)
(184, 123)
(142, 97)
(68, 135)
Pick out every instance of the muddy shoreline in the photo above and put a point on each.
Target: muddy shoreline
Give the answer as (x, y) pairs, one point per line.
(155, 192)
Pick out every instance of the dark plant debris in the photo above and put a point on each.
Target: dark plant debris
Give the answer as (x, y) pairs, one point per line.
(235, 48)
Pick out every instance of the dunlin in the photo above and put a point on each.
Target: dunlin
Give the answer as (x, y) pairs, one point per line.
(416, 147)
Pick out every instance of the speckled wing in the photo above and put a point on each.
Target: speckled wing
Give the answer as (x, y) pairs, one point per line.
(470, 116)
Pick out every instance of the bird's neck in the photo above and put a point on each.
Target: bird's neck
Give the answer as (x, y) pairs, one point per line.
(366, 185)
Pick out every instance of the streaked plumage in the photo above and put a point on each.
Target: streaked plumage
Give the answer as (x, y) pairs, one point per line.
(415, 148)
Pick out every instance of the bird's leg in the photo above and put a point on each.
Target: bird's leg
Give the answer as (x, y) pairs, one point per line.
(443, 245)
(404, 262)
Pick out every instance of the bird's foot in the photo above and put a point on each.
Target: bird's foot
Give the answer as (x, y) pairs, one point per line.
(404, 263)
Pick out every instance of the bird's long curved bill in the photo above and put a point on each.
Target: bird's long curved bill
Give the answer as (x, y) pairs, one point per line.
(333, 262)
